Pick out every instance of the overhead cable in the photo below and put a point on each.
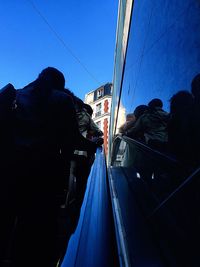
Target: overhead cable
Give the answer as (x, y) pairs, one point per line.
(62, 41)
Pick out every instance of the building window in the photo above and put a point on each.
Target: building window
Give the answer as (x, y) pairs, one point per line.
(99, 93)
(98, 110)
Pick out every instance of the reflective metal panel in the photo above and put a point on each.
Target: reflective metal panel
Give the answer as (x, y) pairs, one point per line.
(163, 52)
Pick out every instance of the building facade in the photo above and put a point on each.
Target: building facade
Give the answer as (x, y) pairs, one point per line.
(100, 101)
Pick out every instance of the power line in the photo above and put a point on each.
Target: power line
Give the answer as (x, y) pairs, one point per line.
(62, 41)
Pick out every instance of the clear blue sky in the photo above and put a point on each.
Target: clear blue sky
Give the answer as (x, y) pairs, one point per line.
(39, 33)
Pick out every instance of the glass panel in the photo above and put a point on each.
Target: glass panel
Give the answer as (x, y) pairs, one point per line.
(161, 174)
(163, 52)
(162, 56)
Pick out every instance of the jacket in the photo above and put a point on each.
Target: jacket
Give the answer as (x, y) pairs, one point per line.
(86, 124)
(152, 125)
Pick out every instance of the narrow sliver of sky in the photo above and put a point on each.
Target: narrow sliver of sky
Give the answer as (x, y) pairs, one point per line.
(77, 37)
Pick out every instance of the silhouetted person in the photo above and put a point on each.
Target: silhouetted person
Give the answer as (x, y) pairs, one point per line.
(143, 130)
(46, 134)
(195, 89)
(140, 110)
(181, 127)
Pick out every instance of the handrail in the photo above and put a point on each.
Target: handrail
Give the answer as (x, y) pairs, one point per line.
(144, 147)
(189, 178)
(94, 223)
(177, 190)
(122, 245)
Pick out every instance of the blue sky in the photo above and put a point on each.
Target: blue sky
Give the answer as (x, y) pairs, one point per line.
(77, 37)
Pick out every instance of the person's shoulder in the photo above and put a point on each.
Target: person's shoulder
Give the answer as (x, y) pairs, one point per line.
(61, 101)
(61, 96)
(143, 117)
(163, 113)
(26, 89)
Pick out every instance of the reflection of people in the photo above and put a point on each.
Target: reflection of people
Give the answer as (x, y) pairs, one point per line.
(181, 126)
(152, 125)
(139, 111)
(130, 120)
(130, 154)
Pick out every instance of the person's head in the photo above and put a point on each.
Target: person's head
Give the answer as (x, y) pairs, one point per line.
(183, 100)
(139, 110)
(195, 86)
(130, 117)
(89, 109)
(155, 103)
(53, 78)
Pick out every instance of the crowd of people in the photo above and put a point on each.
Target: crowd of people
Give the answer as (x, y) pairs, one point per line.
(45, 128)
(47, 145)
(175, 133)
